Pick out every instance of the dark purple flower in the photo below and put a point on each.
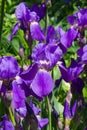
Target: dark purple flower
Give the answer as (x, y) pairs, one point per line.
(42, 84)
(40, 10)
(8, 67)
(79, 18)
(72, 72)
(77, 86)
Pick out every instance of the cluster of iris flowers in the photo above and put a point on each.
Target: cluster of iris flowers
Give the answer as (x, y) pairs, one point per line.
(18, 86)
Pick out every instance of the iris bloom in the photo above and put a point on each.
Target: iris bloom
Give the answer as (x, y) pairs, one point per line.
(28, 22)
(79, 18)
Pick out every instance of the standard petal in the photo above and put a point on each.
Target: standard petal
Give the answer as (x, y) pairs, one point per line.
(22, 12)
(42, 84)
(68, 37)
(36, 31)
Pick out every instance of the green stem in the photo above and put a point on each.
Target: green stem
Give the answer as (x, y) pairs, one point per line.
(49, 113)
(1, 17)
(11, 116)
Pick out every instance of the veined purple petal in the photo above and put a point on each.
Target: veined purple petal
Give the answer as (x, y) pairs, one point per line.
(14, 31)
(42, 121)
(8, 67)
(68, 37)
(36, 31)
(22, 12)
(42, 84)
(18, 96)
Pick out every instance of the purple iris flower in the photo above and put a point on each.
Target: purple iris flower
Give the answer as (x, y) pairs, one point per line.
(38, 81)
(28, 22)
(79, 18)
(47, 55)
(69, 112)
(72, 72)
(10, 87)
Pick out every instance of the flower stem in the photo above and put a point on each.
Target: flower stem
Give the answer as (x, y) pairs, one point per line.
(1, 17)
(11, 116)
(49, 113)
